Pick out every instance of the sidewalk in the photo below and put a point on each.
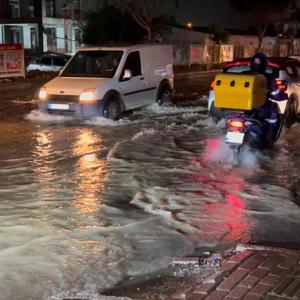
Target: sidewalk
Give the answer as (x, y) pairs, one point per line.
(251, 274)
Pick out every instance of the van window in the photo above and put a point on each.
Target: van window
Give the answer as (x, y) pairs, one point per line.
(133, 63)
(98, 63)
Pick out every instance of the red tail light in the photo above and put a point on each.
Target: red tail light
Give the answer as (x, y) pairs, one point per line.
(212, 85)
(236, 124)
(282, 85)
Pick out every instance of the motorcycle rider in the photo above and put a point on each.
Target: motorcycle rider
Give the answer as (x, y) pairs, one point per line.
(268, 113)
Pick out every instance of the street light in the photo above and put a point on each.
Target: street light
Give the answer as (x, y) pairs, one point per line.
(189, 25)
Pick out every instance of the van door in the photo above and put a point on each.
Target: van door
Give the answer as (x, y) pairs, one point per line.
(133, 89)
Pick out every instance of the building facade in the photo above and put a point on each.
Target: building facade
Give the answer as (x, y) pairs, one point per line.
(20, 22)
(44, 25)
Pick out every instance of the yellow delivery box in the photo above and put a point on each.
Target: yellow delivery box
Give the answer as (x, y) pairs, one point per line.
(236, 91)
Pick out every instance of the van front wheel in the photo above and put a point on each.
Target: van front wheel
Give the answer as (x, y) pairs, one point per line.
(165, 97)
(112, 110)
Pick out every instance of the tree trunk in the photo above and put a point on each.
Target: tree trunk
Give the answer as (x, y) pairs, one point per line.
(261, 30)
(38, 13)
(150, 33)
(260, 42)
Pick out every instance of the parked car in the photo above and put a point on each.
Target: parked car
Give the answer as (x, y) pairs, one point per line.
(106, 81)
(48, 63)
(287, 74)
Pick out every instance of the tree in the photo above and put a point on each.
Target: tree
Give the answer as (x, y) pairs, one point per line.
(145, 13)
(264, 12)
(218, 35)
(111, 24)
(290, 33)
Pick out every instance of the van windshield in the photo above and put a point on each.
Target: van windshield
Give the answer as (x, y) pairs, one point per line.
(101, 63)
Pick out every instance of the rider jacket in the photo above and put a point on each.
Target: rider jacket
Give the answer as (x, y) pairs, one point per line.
(268, 113)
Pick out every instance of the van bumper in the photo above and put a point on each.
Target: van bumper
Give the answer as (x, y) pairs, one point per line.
(91, 109)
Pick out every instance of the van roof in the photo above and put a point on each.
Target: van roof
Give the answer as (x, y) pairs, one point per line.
(120, 47)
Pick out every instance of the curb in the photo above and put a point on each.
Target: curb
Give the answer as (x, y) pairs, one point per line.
(252, 273)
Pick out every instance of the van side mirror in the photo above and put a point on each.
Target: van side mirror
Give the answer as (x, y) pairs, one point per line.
(127, 74)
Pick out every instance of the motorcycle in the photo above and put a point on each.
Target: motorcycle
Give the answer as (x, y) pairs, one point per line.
(244, 130)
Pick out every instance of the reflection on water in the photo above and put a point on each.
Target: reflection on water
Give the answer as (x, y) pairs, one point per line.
(91, 172)
(42, 160)
(88, 171)
(227, 216)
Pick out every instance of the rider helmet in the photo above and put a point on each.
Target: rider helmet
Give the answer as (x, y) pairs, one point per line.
(259, 63)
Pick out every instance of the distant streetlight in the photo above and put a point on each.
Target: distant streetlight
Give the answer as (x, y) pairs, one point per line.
(189, 25)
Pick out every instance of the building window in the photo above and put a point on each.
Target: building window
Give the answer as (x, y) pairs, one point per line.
(78, 37)
(50, 9)
(51, 39)
(34, 39)
(13, 34)
(14, 8)
(31, 8)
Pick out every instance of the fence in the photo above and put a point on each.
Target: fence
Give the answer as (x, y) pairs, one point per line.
(209, 55)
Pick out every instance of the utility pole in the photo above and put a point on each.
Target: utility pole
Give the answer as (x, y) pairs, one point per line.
(38, 13)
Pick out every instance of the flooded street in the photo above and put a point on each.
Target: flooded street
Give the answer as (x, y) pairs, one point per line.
(87, 204)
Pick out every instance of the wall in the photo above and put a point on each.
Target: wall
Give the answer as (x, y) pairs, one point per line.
(63, 27)
(185, 36)
(250, 40)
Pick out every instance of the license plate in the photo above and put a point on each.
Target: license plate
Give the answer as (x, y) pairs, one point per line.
(234, 137)
(58, 106)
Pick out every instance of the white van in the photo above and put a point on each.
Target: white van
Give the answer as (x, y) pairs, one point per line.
(106, 81)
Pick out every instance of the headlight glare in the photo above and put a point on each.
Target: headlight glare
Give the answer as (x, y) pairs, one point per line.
(42, 94)
(87, 95)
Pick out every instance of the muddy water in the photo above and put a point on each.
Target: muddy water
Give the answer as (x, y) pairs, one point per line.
(86, 204)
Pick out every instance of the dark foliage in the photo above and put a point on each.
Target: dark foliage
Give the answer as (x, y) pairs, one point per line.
(264, 12)
(111, 25)
(218, 34)
(261, 6)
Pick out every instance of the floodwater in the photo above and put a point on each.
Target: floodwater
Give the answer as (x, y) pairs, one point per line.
(87, 204)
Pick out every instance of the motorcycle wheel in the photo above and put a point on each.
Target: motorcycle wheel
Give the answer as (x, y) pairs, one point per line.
(236, 155)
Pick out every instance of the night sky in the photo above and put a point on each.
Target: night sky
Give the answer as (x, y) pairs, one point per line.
(208, 12)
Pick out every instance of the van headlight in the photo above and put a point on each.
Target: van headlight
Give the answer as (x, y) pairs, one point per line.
(42, 94)
(88, 95)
